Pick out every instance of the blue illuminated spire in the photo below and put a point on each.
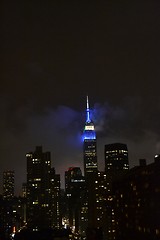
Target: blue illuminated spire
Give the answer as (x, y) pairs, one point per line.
(88, 120)
(89, 131)
(89, 147)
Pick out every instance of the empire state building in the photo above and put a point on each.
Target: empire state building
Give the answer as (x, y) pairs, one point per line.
(89, 145)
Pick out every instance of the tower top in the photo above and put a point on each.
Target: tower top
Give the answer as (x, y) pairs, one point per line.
(88, 120)
(89, 131)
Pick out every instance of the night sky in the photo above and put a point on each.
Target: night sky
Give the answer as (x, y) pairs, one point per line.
(53, 55)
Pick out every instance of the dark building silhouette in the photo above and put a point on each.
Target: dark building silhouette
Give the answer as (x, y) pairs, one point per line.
(11, 216)
(45, 234)
(137, 202)
(74, 187)
(116, 158)
(94, 234)
(11, 210)
(55, 199)
(43, 189)
(116, 165)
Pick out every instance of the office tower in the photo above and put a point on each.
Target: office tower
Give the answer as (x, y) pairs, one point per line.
(8, 185)
(137, 202)
(116, 158)
(41, 192)
(90, 171)
(89, 144)
(116, 165)
(74, 187)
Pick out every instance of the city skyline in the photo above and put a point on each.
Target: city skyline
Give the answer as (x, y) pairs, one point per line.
(80, 135)
(75, 143)
(53, 55)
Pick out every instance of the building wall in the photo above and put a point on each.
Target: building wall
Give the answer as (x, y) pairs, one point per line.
(137, 203)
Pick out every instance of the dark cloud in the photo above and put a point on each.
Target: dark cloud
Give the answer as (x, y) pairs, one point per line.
(133, 116)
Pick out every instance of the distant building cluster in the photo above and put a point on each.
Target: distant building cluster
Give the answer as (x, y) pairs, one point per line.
(115, 204)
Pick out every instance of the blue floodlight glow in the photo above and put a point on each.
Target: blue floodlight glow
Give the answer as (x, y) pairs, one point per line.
(90, 135)
(88, 120)
(89, 131)
(88, 117)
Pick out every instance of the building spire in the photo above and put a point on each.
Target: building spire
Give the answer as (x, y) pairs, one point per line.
(88, 111)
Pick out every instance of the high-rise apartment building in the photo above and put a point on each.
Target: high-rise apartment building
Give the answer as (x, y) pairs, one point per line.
(8, 185)
(42, 191)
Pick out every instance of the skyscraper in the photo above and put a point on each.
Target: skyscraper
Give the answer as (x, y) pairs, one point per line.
(90, 169)
(42, 190)
(116, 158)
(116, 164)
(8, 185)
(89, 144)
(75, 186)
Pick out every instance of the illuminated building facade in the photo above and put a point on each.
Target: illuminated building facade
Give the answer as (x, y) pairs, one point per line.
(8, 185)
(89, 208)
(43, 189)
(89, 145)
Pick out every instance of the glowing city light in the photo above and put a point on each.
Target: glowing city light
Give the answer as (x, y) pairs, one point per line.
(89, 130)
